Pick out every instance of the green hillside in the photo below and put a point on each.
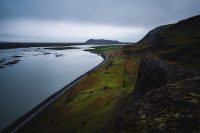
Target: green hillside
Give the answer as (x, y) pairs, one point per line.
(178, 43)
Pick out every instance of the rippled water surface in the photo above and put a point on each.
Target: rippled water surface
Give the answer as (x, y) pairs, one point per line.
(30, 75)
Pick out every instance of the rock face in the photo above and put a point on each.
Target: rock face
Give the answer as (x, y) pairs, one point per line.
(166, 99)
(170, 108)
(154, 73)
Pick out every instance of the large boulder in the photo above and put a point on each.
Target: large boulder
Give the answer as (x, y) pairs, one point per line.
(154, 73)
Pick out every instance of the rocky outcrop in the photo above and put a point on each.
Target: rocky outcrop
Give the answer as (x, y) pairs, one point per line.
(166, 99)
(154, 73)
(170, 108)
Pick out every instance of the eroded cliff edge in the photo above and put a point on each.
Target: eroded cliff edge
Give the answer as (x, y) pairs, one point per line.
(166, 99)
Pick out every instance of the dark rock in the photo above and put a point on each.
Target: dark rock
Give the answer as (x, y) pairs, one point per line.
(2, 60)
(58, 55)
(12, 62)
(166, 99)
(17, 56)
(46, 53)
(170, 108)
(154, 73)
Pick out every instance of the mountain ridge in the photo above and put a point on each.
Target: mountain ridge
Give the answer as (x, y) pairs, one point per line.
(174, 43)
(101, 41)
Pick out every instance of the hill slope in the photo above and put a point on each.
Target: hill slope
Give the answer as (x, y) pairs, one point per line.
(166, 97)
(178, 42)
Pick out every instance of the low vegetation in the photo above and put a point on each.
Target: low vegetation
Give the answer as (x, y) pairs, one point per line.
(88, 106)
(164, 99)
(104, 48)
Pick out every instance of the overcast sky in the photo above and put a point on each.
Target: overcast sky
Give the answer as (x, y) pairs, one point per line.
(79, 20)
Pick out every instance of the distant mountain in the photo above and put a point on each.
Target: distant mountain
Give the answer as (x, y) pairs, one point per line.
(101, 41)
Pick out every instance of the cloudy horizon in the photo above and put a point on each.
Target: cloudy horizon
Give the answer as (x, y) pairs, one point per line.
(80, 20)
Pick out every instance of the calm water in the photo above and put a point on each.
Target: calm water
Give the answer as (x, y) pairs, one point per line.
(37, 74)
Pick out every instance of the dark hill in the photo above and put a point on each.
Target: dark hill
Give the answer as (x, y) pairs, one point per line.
(152, 35)
(166, 97)
(101, 41)
(178, 42)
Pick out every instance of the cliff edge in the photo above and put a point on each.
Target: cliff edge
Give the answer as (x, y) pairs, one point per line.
(166, 99)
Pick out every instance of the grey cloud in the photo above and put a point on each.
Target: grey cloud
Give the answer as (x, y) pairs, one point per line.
(145, 13)
(126, 14)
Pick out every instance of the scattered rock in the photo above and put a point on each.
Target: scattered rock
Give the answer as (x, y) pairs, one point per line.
(58, 55)
(12, 62)
(46, 53)
(17, 56)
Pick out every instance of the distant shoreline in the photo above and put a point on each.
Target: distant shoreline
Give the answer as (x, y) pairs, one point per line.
(10, 45)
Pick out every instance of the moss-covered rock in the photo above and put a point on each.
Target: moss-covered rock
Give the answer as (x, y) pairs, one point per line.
(154, 73)
(166, 99)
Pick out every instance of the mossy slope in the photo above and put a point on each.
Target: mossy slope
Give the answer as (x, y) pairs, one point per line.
(178, 43)
(88, 106)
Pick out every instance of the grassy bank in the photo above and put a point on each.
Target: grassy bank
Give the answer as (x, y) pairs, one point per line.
(88, 106)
